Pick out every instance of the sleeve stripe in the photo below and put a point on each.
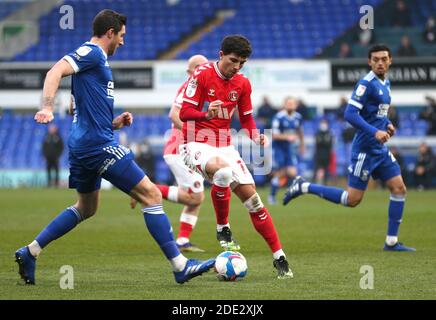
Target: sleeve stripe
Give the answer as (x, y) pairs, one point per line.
(248, 112)
(177, 105)
(191, 101)
(72, 63)
(355, 103)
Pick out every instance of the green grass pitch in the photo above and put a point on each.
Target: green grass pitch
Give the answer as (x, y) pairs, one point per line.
(114, 257)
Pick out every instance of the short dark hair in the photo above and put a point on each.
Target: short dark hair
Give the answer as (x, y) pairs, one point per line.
(236, 44)
(108, 19)
(377, 48)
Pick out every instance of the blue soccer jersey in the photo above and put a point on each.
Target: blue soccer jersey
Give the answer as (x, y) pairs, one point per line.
(372, 97)
(284, 153)
(93, 91)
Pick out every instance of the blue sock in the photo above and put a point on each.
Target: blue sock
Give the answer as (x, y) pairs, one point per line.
(331, 194)
(274, 186)
(63, 223)
(160, 228)
(396, 206)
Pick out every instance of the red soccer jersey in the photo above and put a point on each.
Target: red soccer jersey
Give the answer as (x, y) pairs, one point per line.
(207, 84)
(176, 138)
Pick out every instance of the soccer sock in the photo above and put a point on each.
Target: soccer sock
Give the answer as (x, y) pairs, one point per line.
(396, 207)
(63, 223)
(275, 184)
(331, 194)
(187, 224)
(263, 224)
(160, 228)
(221, 202)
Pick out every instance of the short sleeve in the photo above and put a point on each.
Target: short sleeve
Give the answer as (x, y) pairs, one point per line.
(194, 90)
(85, 57)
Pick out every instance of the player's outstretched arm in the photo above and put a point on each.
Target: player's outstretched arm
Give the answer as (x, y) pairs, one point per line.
(51, 84)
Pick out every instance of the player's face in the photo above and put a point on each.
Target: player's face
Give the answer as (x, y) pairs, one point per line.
(380, 62)
(117, 41)
(290, 105)
(230, 64)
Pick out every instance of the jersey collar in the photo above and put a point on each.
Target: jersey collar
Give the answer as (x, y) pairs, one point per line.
(218, 72)
(383, 82)
(94, 44)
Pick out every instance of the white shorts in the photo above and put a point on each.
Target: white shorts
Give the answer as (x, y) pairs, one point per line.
(185, 177)
(196, 155)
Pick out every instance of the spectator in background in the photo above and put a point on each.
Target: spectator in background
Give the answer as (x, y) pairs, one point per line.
(341, 109)
(52, 148)
(429, 114)
(401, 15)
(323, 149)
(303, 110)
(345, 51)
(430, 30)
(393, 116)
(406, 49)
(145, 159)
(265, 113)
(424, 169)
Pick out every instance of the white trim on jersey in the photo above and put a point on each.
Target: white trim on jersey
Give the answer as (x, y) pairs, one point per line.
(191, 101)
(248, 112)
(72, 63)
(355, 103)
(217, 70)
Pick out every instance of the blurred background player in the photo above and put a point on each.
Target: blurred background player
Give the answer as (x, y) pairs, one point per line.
(190, 189)
(367, 111)
(208, 148)
(52, 148)
(94, 153)
(287, 132)
(323, 151)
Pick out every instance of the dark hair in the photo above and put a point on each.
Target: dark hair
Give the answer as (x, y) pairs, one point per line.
(236, 44)
(377, 48)
(108, 19)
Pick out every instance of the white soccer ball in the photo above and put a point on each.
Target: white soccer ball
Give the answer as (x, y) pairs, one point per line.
(230, 266)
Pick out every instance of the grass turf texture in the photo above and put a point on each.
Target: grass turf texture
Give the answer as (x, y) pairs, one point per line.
(114, 256)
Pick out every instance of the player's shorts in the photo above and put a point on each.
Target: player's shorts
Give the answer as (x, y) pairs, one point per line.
(114, 163)
(185, 177)
(196, 155)
(363, 165)
(283, 159)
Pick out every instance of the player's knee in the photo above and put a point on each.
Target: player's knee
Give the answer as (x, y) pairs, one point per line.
(399, 190)
(353, 201)
(223, 177)
(86, 211)
(254, 203)
(195, 199)
(150, 194)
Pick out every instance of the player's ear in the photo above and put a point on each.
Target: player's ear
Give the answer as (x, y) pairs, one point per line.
(221, 54)
(110, 33)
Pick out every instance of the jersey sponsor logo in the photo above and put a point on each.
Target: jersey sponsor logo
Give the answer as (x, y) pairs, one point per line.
(192, 88)
(383, 110)
(233, 95)
(83, 51)
(360, 90)
(211, 92)
(110, 89)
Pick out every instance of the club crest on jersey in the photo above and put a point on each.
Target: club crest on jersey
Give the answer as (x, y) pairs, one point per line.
(192, 87)
(233, 95)
(197, 155)
(197, 184)
(360, 90)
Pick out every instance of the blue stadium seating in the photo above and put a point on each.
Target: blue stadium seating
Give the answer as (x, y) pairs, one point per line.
(7, 8)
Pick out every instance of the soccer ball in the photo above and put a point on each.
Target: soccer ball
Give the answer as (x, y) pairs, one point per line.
(230, 266)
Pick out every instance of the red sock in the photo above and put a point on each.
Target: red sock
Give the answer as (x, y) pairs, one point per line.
(185, 230)
(221, 202)
(164, 190)
(263, 223)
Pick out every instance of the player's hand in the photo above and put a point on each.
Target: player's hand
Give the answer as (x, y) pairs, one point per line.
(212, 111)
(292, 138)
(262, 140)
(382, 136)
(44, 116)
(124, 119)
(133, 203)
(390, 129)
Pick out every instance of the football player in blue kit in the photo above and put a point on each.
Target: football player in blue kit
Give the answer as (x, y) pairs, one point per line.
(287, 132)
(367, 111)
(94, 153)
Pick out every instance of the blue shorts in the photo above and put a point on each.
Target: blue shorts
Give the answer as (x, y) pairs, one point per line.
(282, 159)
(363, 165)
(114, 163)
